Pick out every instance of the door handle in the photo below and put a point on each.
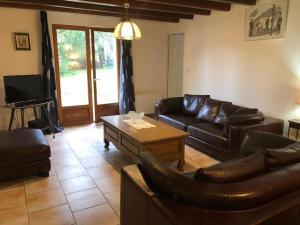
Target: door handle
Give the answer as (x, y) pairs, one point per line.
(96, 79)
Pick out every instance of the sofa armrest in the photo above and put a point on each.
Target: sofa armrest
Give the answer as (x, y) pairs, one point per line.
(257, 140)
(135, 197)
(237, 132)
(245, 119)
(168, 105)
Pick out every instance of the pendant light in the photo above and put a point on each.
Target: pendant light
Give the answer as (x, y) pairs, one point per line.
(127, 30)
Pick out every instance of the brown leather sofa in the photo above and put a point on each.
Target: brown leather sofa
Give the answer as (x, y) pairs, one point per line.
(216, 127)
(23, 152)
(264, 188)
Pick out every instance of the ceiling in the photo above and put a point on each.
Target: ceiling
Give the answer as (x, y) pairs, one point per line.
(159, 10)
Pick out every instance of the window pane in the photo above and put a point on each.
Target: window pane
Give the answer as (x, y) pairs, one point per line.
(73, 69)
(106, 68)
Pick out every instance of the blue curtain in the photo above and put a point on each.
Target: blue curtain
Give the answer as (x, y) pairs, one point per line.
(48, 75)
(127, 96)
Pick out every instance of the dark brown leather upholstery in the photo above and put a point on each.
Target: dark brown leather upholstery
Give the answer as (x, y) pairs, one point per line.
(193, 103)
(209, 110)
(23, 152)
(243, 195)
(226, 123)
(162, 196)
(235, 170)
(178, 120)
(283, 156)
(209, 133)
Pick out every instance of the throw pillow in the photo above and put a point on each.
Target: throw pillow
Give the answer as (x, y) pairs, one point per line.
(193, 103)
(209, 110)
(225, 111)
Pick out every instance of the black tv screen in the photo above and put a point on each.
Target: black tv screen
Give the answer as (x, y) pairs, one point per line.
(22, 88)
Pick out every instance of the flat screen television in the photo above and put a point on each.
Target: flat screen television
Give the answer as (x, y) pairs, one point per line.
(23, 88)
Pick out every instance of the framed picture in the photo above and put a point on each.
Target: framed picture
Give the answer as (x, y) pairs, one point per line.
(22, 41)
(266, 21)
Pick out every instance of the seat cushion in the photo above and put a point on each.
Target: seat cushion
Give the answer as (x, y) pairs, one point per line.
(179, 121)
(209, 110)
(236, 170)
(23, 146)
(209, 133)
(193, 103)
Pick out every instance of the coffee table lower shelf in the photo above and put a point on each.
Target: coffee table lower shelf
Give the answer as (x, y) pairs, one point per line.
(170, 150)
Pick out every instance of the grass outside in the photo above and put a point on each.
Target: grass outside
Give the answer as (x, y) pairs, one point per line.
(74, 87)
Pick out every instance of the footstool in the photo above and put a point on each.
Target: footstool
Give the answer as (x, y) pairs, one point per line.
(23, 152)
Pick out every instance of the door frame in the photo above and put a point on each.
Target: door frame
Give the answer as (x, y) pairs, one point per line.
(61, 109)
(111, 108)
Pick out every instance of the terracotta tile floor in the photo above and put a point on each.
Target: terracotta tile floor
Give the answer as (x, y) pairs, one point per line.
(84, 183)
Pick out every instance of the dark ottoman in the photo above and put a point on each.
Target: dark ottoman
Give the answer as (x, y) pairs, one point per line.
(23, 152)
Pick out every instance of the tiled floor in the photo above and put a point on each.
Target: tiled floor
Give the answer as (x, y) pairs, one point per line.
(83, 187)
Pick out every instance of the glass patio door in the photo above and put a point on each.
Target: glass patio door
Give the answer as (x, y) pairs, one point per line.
(105, 73)
(73, 69)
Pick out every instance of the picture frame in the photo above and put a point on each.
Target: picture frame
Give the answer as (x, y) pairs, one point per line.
(22, 41)
(266, 21)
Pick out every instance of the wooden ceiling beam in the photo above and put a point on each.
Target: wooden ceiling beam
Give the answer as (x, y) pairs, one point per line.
(150, 6)
(202, 4)
(244, 2)
(108, 9)
(11, 4)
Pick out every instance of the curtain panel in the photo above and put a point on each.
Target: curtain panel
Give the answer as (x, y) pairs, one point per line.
(48, 76)
(127, 95)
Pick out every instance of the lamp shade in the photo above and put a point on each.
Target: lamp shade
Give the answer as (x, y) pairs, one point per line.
(127, 30)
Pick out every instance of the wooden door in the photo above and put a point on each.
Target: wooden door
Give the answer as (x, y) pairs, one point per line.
(105, 60)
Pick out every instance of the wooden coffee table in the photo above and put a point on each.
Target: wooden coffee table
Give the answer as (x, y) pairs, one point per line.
(165, 142)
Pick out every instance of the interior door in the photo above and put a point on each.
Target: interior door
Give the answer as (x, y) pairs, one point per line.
(73, 69)
(175, 74)
(105, 50)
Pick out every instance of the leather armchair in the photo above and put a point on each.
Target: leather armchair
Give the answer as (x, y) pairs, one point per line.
(154, 194)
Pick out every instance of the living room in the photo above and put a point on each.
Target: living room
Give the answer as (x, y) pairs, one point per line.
(220, 59)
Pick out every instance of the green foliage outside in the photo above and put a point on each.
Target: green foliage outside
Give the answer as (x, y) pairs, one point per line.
(72, 51)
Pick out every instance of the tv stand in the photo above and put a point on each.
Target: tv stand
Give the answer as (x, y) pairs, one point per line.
(44, 104)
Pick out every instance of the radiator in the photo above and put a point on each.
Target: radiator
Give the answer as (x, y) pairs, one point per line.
(145, 103)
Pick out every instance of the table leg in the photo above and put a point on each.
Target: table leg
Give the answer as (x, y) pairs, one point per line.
(181, 161)
(22, 118)
(180, 164)
(12, 115)
(106, 142)
(35, 114)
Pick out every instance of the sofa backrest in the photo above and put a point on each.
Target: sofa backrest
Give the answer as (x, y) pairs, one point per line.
(243, 195)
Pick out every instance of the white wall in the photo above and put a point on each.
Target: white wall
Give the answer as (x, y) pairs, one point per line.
(150, 53)
(263, 74)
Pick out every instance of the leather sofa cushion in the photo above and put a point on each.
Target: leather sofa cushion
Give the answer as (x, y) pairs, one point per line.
(283, 156)
(177, 120)
(193, 103)
(209, 133)
(233, 171)
(209, 110)
(22, 146)
(225, 111)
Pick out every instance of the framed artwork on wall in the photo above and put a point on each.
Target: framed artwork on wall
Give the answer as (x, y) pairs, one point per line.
(266, 21)
(22, 41)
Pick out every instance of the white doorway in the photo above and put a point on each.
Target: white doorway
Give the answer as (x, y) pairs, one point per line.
(175, 70)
